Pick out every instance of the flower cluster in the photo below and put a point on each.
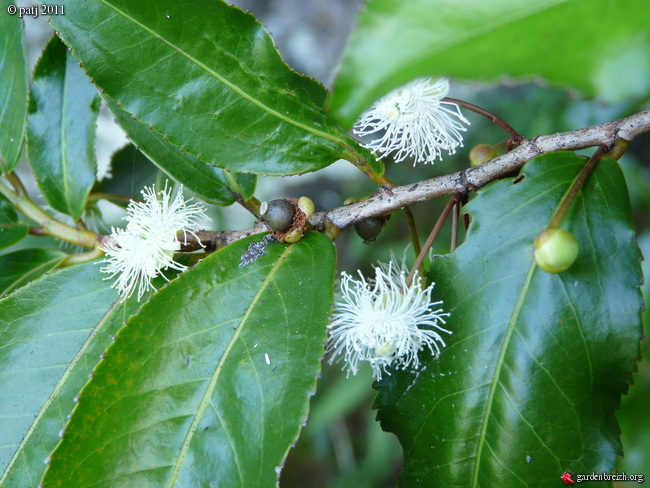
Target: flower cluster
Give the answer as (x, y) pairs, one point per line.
(146, 247)
(414, 121)
(384, 321)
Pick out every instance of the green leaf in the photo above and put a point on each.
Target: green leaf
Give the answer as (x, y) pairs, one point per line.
(207, 182)
(209, 383)
(61, 130)
(13, 87)
(53, 332)
(131, 171)
(603, 46)
(633, 415)
(12, 230)
(528, 383)
(20, 267)
(208, 78)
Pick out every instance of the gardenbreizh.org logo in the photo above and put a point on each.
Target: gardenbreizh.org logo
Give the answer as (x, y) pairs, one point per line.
(568, 478)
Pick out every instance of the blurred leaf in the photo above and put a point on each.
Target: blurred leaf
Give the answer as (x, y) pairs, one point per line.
(53, 332)
(204, 180)
(208, 78)
(13, 88)
(12, 230)
(243, 184)
(19, 267)
(537, 362)
(209, 383)
(338, 401)
(604, 47)
(63, 111)
(131, 172)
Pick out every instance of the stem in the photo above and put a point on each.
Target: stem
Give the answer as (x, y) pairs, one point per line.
(558, 216)
(16, 183)
(109, 196)
(486, 113)
(383, 203)
(432, 237)
(252, 205)
(49, 225)
(82, 257)
(617, 150)
(413, 230)
(454, 228)
(363, 165)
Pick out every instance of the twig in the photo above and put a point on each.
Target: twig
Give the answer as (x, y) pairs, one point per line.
(558, 216)
(432, 237)
(454, 227)
(516, 136)
(471, 179)
(479, 176)
(415, 240)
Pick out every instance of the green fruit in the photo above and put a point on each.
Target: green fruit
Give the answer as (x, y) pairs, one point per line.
(278, 214)
(369, 229)
(555, 250)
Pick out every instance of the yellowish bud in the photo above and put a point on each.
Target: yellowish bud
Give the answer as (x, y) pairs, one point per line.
(306, 205)
(482, 153)
(294, 236)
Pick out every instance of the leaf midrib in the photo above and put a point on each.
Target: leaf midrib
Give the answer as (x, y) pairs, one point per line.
(504, 348)
(64, 157)
(497, 371)
(207, 397)
(224, 81)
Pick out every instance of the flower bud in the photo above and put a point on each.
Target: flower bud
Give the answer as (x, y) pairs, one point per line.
(306, 205)
(294, 236)
(555, 250)
(278, 214)
(482, 153)
(369, 229)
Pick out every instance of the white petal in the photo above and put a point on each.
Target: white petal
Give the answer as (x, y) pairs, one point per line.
(414, 122)
(384, 322)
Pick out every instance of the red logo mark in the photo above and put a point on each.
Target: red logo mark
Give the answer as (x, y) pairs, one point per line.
(566, 477)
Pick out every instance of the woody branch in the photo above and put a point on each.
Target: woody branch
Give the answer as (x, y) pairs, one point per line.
(386, 201)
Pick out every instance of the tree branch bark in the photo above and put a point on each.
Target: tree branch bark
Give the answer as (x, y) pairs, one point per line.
(385, 201)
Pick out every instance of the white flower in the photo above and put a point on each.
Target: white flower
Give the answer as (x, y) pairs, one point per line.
(146, 247)
(384, 321)
(414, 121)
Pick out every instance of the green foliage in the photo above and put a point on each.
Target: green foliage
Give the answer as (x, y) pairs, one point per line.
(13, 88)
(211, 379)
(207, 182)
(63, 110)
(222, 94)
(485, 40)
(208, 380)
(53, 332)
(22, 266)
(12, 230)
(528, 384)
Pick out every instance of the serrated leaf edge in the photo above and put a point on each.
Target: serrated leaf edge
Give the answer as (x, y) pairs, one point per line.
(234, 88)
(58, 388)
